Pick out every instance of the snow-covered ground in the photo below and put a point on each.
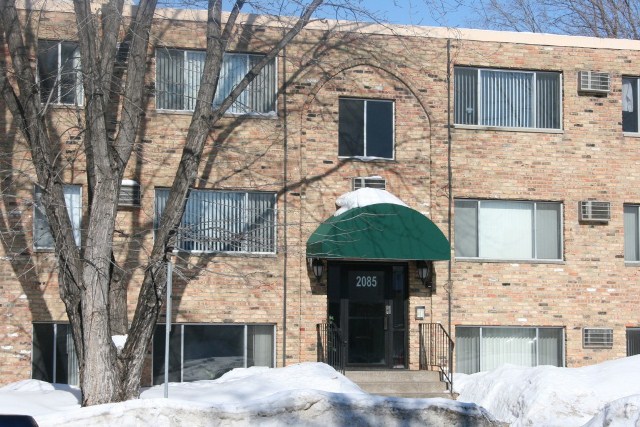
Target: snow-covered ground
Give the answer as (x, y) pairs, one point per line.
(607, 394)
(313, 394)
(308, 394)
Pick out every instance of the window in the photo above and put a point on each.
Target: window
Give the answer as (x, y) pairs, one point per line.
(509, 230)
(42, 238)
(59, 72)
(510, 99)
(484, 348)
(206, 352)
(630, 104)
(633, 341)
(54, 357)
(225, 221)
(369, 182)
(178, 75)
(631, 233)
(365, 128)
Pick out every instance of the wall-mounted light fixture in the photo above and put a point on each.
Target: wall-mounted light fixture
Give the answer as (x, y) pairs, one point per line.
(424, 273)
(420, 312)
(317, 266)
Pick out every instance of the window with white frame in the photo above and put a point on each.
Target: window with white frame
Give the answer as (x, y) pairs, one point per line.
(632, 233)
(508, 230)
(630, 111)
(508, 98)
(225, 221)
(206, 352)
(42, 238)
(484, 348)
(59, 72)
(53, 356)
(366, 128)
(178, 74)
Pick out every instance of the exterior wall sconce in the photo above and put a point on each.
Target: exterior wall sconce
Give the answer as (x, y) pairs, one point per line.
(420, 312)
(317, 266)
(425, 273)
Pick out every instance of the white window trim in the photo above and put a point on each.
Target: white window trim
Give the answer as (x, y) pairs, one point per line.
(637, 83)
(366, 158)
(508, 128)
(268, 114)
(518, 260)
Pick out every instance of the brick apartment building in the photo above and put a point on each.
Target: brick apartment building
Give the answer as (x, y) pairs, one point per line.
(545, 206)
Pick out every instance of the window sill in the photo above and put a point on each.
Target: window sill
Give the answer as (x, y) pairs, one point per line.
(631, 135)
(512, 261)
(265, 116)
(632, 263)
(365, 159)
(185, 253)
(508, 129)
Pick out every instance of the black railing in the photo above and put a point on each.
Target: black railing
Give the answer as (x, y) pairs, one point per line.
(331, 346)
(435, 347)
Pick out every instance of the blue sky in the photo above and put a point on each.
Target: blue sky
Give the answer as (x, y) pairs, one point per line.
(414, 12)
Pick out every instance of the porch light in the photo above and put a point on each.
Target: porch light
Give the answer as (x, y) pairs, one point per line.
(317, 266)
(424, 273)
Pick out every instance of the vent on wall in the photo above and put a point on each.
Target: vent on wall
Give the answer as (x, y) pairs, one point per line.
(594, 82)
(592, 211)
(597, 338)
(369, 182)
(129, 193)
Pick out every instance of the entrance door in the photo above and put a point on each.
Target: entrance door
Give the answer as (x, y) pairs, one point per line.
(368, 302)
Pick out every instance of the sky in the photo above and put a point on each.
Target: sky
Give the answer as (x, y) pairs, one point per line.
(315, 395)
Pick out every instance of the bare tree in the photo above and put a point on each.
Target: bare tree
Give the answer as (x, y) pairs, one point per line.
(88, 276)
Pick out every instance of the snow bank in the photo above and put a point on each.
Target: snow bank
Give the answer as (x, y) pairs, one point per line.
(619, 413)
(309, 394)
(364, 197)
(551, 396)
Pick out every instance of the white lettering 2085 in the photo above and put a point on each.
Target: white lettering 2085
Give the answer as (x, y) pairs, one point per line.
(366, 281)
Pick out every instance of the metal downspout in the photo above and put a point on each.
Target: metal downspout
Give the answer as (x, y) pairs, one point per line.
(449, 215)
(284, 207)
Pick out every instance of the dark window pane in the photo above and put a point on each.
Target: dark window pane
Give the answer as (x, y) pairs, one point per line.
(69, 66)
(633, 341)
(47, 69)
(211, 351)
(42, 357)
(380, 129)
(66, 362)
(175, 344)
(466, 228)
(548, 100)
(466, 100)
(351, 128)
(630, 105)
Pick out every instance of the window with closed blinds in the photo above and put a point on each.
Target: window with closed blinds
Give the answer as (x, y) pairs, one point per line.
(178, 74)
(225, 221)
(508, 230)
(631, 233)
(506, 98)
(481, 349)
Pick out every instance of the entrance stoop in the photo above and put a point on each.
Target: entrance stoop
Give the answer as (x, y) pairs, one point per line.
(401, 383)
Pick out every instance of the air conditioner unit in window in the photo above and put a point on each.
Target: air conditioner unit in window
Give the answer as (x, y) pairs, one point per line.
(594, 82)
(592, 211)
(597, 338)
(129, 193)
(369, 182)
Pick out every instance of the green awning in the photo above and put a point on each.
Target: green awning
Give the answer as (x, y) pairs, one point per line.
(380, 231)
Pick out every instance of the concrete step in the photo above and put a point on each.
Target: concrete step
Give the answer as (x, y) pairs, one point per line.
(400, 383)
(392, 375)
(388, 387)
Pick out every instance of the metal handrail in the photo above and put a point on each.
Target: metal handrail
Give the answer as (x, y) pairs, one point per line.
(435, 347)
(331, 346)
